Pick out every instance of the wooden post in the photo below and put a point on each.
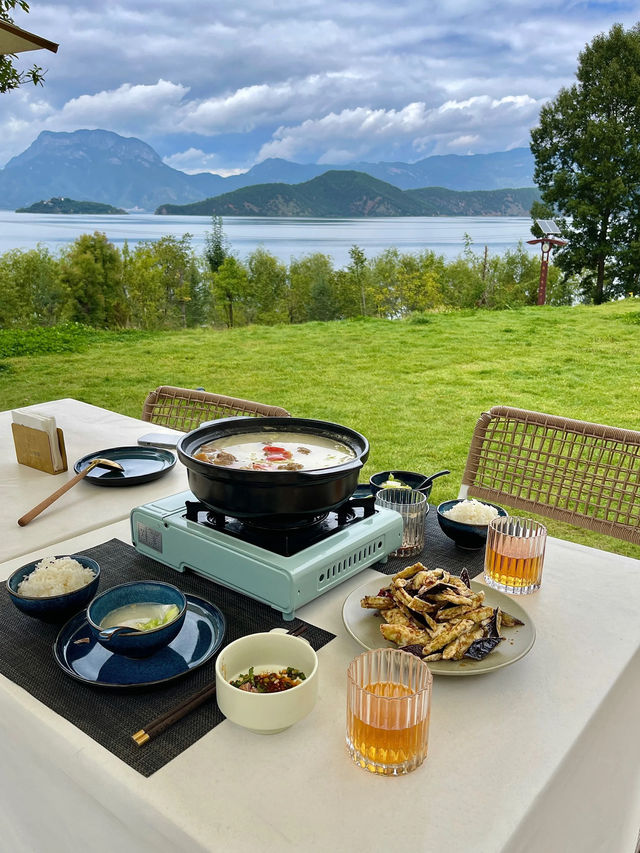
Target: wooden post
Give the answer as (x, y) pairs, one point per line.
(544, 269)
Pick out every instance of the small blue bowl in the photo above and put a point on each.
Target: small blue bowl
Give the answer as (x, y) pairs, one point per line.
(470, 537)
(53, 608)
(128, 641)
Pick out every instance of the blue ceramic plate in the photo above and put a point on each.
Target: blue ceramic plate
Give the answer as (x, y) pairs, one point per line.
(86, 660)
(141, 464)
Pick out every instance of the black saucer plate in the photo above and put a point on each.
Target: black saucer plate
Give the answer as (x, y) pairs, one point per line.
(140, 464)
(84, 659)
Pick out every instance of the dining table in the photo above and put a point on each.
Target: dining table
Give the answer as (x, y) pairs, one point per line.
(539, 755)
(87, 429)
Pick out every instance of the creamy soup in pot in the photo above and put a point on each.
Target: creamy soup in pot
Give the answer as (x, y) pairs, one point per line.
(277, 451)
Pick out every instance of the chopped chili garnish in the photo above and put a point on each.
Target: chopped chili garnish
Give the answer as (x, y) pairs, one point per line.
(269, 682)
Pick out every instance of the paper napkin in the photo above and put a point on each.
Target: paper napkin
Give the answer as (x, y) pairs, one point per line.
(46, 424)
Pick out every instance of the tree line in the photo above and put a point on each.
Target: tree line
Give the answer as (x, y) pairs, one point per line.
(587, 166)
(165, 284)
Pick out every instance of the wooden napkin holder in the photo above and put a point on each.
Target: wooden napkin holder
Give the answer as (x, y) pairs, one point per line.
(33, 448)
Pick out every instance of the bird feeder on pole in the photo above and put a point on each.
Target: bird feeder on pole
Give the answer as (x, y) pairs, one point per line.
(546, 243)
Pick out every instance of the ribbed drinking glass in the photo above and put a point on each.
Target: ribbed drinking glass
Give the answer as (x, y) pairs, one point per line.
(413, 507)
(388, 707)
(514, 554)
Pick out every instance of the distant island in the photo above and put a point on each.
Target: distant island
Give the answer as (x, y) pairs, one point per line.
(69, 205)
(356, 194)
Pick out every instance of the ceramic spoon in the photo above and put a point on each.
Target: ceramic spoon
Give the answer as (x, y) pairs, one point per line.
(95, 463)
(428, 480)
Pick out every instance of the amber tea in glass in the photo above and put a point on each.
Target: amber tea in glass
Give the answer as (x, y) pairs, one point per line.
(388, 706)
(514, 554)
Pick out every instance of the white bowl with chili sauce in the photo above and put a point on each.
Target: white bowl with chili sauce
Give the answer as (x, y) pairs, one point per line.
(266, 713)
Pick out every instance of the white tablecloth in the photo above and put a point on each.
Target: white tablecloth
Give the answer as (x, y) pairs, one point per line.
(87, 429)
(539, 757)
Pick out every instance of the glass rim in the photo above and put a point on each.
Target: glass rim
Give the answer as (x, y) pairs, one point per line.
(534, 526)
(383, 493)
(417, 692)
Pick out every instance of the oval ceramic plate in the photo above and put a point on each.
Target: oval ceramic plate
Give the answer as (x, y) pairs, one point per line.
(83, 658)
(364, 627)
(140, 464)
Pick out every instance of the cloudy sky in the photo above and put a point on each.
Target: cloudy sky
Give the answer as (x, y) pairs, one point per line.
(221, 86)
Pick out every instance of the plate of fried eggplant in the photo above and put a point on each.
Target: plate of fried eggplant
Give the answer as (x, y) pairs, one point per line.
(458, 626)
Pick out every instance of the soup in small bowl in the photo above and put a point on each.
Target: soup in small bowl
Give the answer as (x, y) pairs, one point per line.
(137, 619)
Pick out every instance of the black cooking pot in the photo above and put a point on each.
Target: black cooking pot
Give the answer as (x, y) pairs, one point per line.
(268, 494)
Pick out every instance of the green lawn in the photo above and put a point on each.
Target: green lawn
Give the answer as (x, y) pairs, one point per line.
(414, 388)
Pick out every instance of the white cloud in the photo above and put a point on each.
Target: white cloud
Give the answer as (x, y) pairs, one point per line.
(312, 80)
(361, 132)
(194, 160)
(464, 141)
(123, 108)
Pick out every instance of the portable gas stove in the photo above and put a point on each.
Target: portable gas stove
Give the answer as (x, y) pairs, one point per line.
(285, 568)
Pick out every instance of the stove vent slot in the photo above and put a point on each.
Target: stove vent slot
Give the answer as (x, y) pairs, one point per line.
(364, 556)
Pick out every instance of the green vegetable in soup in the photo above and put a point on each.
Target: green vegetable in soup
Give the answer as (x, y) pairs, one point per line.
(392, 483)
(168, 616)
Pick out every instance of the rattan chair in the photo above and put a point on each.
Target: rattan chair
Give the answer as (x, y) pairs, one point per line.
(185, 409)
(582, 473)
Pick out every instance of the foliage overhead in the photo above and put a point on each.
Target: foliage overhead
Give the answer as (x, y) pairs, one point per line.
(10, 77)
(587, 155)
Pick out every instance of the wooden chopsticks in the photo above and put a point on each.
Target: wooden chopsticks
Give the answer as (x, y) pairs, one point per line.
(161, 723)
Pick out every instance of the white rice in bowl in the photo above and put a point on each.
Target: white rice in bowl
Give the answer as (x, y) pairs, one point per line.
(55, 576)
(471, 512)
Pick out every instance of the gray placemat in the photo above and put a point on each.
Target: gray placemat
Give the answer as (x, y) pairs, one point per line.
(439, 552)
(108, 716)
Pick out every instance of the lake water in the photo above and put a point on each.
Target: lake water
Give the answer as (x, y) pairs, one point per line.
(285, 238)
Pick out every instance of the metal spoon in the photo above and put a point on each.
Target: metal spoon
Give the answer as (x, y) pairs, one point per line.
(102, 463)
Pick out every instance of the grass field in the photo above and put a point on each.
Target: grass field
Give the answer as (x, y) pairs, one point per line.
(414, 388)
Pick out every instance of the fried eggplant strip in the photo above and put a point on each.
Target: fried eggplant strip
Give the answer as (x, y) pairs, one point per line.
(409, 572)
(403, 635)
(478, 615)
(509, 621)
(446, 613)
(443, 639)
(456, 649)
(377, 602)
(448, 597)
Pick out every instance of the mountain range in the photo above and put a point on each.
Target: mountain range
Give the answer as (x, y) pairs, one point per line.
(354, 194)
(102, 166)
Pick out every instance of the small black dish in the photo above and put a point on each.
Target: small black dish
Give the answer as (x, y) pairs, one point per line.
(139, 464)
(469, 537)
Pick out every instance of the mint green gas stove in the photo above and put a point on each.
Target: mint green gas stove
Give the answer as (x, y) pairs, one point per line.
(285, 569)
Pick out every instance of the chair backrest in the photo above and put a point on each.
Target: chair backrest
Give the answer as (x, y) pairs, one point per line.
(185, 409)
(583, 473)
